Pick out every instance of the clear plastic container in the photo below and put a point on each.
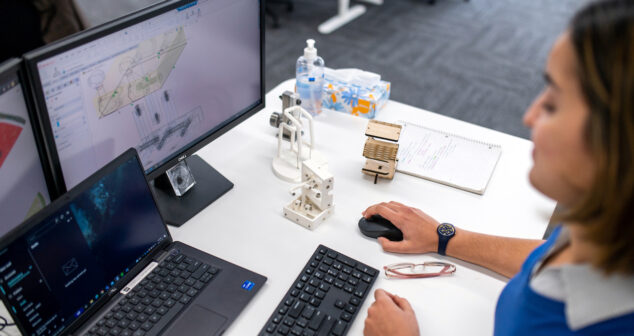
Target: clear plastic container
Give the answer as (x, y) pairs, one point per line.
(309, 76)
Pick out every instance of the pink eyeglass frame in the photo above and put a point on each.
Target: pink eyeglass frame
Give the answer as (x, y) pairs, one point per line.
(391, 271)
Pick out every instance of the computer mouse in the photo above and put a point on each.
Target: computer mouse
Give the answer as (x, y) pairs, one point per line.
(377, 226)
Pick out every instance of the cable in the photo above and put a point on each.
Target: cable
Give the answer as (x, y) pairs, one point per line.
(4, 323)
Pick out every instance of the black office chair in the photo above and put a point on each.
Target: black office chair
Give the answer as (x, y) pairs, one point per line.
(274, 16)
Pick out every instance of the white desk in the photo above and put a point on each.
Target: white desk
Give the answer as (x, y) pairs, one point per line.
(246, 225)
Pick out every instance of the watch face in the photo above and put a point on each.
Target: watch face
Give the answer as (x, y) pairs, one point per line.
(446, 229)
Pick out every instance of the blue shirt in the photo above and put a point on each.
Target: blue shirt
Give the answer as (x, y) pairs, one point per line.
(521, 311)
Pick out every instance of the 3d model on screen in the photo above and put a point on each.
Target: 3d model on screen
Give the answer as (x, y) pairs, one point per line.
(137, 72)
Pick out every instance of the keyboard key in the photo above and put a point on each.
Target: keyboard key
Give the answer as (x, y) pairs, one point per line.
(154, 318)
(123, 323)
(304, 297)
(315, 322)
(346, 316)
(339, 328)
(315, 302)
(302, 322)
(296, 310)
(320, 294)
(308, 312)
(289, 321)
(134, 325)
(270, 328)
(351, 309)
(360, 291)
(146, 326)
(283, 330)
(297, 331)
(329, 322)
(185, 299)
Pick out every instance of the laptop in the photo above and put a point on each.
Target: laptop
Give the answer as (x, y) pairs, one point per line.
(100, 261)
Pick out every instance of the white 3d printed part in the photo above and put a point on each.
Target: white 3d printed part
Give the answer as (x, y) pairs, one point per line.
(315, 202)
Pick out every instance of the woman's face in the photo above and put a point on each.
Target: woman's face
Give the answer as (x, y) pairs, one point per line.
(563, 168)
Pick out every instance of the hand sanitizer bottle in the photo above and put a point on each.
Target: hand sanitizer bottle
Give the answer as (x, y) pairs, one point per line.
(309, 75)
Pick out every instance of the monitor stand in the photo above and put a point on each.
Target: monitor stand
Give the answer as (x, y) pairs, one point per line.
(210, 185)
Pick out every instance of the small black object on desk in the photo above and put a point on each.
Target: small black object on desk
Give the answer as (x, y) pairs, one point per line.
(377, 226)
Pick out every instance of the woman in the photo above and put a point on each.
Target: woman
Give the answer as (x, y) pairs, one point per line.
(580, 281)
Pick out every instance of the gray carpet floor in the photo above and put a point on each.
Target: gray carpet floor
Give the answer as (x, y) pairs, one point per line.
(480, 61)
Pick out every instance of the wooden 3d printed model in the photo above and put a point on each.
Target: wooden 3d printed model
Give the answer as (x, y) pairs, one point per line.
(381, 155)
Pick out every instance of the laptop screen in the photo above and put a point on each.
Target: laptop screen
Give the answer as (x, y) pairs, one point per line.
(56, 270)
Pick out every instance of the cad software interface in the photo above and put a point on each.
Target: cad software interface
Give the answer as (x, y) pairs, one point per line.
(105, 231)
(23, 189)
(160, 85)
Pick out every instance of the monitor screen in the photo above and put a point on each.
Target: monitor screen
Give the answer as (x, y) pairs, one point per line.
(160, 84)
(23, 189)
(105, 228)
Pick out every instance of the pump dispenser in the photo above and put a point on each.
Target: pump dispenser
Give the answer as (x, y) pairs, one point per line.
(309, 75)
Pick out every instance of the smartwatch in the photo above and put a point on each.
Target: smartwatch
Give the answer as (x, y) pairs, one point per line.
(445, 232)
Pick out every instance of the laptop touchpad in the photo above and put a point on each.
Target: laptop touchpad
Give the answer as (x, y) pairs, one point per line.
(197, 321)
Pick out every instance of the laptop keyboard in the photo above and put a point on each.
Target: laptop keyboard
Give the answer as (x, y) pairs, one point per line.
(325, 298)
(158, 298)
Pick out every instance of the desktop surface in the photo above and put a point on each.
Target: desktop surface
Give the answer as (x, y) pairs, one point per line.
(247, 227)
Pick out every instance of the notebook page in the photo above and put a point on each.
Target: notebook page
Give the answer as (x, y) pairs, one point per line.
(446, 158)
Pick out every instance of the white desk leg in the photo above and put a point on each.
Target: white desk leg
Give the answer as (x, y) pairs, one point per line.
(345, 15)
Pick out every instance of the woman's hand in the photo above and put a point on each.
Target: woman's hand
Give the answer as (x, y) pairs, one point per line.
(419, 229)
(390, 315)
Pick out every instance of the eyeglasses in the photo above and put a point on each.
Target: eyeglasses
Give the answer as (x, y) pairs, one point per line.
(412, 271)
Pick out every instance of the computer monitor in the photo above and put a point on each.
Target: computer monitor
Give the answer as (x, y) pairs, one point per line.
(24, 179)
(166, 80)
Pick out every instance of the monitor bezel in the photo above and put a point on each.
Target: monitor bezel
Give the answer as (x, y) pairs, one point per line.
(75, 40)
(19, 231)
(13, 68)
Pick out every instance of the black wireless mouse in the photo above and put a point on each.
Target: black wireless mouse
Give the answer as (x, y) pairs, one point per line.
(377, 226)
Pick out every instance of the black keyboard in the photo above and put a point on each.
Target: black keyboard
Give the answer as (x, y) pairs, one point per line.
(325, 298)
(158, 298)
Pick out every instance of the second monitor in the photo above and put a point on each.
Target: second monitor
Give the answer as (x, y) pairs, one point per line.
(166, 80)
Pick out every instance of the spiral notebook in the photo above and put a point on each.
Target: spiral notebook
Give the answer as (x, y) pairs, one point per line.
(446, 158)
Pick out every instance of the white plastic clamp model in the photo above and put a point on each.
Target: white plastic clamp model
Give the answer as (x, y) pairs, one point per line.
(315, 201)
(287, 163)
